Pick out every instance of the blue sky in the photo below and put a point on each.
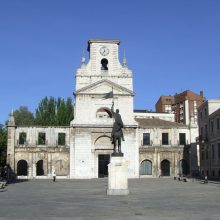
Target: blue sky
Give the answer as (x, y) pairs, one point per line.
(171, 46)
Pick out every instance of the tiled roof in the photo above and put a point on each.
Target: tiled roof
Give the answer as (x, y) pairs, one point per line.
(157, 123)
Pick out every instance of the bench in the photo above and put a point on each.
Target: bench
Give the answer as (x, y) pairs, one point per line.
(182, 179)
(204, 181)
(2, 185)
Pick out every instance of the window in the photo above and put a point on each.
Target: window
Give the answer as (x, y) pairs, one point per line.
(201, 131)
(41, 138)
(103, 112)
(22, 138)
(201, 115)
(205, 112)
(202, 155)
(218, 150)
(212, 126)
(168, 108)
(165, 139)
(146, 138)
(213, 151)
(217, 124)
(182, 138)
(213, 173)
(61, 138)
(206, 131)
(104, 63)
(207, 155)
(146, 167)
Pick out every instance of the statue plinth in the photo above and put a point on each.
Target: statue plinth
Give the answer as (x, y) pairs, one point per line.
(117, 154)
(118, 175)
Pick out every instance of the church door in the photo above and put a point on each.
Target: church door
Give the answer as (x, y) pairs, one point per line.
(22, 168)
(165, 168)
(146, 167)
(40, 168)
(104, 160)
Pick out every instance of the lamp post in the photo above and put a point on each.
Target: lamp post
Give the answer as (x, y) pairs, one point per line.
(179, 163)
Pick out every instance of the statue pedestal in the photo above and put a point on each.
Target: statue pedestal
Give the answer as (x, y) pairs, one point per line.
(117, 176)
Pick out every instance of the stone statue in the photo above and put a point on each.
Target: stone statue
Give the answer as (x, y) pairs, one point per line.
(117, 133)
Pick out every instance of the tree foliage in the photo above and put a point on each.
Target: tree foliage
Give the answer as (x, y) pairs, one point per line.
(23, 116)
(52, 112)
(3, 144)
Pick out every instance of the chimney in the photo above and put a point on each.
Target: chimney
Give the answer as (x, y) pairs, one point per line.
(201, 93)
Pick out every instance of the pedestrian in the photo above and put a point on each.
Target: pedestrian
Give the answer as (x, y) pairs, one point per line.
(54, 176)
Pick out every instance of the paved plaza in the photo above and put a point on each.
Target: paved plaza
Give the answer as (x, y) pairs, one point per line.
(87, 199)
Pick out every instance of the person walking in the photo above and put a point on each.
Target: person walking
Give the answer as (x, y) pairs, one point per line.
(54, 176)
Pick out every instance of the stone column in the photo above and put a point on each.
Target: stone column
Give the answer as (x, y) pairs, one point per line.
(11, 142)
(29, 172)
(34, 170)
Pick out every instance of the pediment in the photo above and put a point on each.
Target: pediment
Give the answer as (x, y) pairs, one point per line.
(103, 87)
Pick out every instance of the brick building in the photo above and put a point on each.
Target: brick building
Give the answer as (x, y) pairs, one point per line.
(184, 105)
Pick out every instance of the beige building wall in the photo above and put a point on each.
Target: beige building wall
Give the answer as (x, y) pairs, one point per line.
(209, 138)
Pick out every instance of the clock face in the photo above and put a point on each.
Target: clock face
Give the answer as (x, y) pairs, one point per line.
(104, 51)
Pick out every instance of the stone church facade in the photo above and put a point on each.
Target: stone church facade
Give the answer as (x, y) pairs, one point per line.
(154, 144)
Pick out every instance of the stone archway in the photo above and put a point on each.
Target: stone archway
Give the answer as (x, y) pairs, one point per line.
(103, 113)
(146, 167)
(165, 168)
(40, 168)
(103, 148)
(22, 168)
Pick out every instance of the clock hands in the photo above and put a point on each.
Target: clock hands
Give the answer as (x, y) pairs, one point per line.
(104, 51)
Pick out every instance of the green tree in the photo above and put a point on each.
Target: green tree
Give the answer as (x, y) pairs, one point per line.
(3, 144)
(69, 111)
(23, 116)
(52, 112)
(46, 112)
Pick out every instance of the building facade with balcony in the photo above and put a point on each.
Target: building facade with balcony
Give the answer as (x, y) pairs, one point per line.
(162, 148)
(209, 138)
(184, 108)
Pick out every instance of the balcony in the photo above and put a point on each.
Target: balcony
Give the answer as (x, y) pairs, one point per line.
(200, 139)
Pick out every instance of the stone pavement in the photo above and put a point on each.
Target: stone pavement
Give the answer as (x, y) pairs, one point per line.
(153, 199)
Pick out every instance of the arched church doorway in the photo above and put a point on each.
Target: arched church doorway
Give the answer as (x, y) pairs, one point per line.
(165, 168)
(104, 160)
(40, 168)
(146, 167)
(22, 168)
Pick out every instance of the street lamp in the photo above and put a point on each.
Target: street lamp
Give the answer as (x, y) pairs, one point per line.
(179, 162)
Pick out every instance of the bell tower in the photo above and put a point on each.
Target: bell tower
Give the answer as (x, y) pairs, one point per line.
(103, 63)
(100, 81)
(102, 74)
(103, 56)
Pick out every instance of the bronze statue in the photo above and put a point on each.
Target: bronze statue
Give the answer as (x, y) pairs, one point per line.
(117, 133)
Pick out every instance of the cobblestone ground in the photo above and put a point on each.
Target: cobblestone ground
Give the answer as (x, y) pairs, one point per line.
(86, 199)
